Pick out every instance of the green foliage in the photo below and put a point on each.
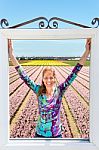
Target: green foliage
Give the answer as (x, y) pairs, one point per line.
(74, 62)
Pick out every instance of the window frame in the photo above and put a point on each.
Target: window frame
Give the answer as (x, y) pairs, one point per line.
(48, 34)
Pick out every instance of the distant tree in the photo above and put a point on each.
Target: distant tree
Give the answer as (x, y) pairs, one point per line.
(22, 58)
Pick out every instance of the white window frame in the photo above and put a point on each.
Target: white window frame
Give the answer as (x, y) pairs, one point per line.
(49, 34)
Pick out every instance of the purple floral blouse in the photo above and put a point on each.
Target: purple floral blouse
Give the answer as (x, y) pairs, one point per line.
(49, 124)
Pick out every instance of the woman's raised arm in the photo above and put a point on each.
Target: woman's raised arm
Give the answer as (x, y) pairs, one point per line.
(86, 53)
(11, 54)
(30, 83)
(63, 86)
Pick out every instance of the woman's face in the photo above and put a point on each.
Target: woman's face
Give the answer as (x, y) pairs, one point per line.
(48, 79)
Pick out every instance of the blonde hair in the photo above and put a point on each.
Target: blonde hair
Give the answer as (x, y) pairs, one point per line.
(42, 89)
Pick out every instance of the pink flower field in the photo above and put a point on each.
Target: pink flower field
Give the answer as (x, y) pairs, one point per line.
(23, 106)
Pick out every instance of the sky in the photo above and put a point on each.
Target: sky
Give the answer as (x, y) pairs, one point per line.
(49, 48)
(80, 11)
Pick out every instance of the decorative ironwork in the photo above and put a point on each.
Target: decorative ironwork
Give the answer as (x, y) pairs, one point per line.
(94, 21)
(47, 24)
(5, 22)
(55, 24)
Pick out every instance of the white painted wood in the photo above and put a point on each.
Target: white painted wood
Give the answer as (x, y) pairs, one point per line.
(47, 33)
(94, 91)
(53, 34)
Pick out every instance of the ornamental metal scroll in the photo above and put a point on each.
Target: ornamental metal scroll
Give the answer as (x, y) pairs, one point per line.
(44, 23)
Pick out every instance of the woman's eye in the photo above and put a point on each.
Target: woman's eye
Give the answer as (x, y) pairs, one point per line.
(51, 78)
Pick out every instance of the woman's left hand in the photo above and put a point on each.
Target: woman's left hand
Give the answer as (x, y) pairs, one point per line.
(88, 44)
(86, 53)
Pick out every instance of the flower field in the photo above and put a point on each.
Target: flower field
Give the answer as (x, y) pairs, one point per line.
(44, 63)
(23, 106)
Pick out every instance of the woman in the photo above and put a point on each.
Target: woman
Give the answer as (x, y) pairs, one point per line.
(49, 94)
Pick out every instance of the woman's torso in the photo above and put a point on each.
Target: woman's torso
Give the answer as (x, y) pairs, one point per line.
(48, 123)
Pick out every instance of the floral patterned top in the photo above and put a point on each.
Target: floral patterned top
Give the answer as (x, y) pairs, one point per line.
(48, 124)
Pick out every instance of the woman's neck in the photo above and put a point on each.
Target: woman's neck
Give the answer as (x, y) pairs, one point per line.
(50, 90)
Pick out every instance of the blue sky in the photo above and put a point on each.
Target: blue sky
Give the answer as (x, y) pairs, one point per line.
(49, 48)
(80, 11)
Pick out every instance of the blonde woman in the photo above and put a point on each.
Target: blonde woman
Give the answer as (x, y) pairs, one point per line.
(49, 94)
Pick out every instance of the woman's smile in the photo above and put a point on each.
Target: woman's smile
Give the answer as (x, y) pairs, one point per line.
(48, 79)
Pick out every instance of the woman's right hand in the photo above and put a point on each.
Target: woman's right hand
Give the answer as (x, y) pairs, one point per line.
(10, 47)
(11, 54)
